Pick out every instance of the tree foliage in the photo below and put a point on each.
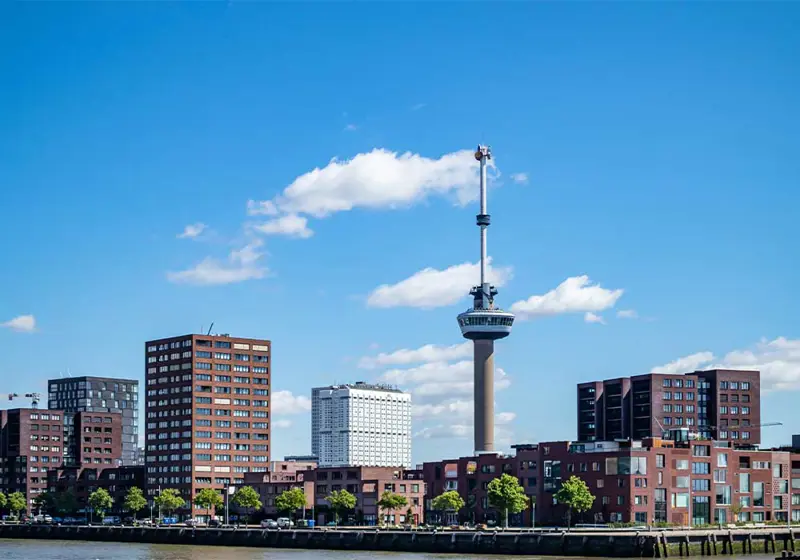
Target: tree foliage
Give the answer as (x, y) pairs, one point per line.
(448, 501)
(208, 498)
(247, 498)
(390, 501)
(17, 502)
(289, 501)
(134, 501)
(575, 495)
(506, 494)
(65, 502)
(44, 502)
(340, 502)
(169, 500)
(101, 501)
(3, 501)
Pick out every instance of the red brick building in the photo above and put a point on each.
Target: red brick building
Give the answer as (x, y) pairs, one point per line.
(282, 476)
(720, 404)
(82, 481)
(31, 444)
(367, 484)
(98, 439)
(633, 481)
(207, 412)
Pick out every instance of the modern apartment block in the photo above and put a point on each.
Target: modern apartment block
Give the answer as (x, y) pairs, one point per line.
(693, 482)
(367, 484)
(97, 394)
(717, 404)
(361, 424)
(99, 439)
(31, 444)
(82, 481)
(207, 412)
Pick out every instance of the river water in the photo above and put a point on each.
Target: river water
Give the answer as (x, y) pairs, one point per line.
(76, 550)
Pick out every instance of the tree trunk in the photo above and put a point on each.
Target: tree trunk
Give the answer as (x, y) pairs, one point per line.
(505, 518)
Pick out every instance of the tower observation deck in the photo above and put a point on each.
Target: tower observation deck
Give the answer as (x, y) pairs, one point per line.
(484, 323)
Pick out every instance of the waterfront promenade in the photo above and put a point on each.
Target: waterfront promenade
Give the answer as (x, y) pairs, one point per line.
(587, 543)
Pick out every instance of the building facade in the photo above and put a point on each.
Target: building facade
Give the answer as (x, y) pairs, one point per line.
(367, 484)
(719, 404)
(82, 481)
(207, 412)
(97, 394)
(361, 425)
(99, 439)
(31, 445)
(694, 483)
(282, 476)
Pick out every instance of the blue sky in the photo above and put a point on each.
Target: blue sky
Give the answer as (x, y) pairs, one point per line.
(650, 147)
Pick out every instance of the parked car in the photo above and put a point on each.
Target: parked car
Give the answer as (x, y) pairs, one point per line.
(269, 524)
(217, 523)
(285, 523)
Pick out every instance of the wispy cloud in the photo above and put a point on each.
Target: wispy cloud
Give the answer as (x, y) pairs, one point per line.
(242, 264)
(350, 127)
(593, 318)
(519, 178)
(418, 106)
(192, 231)
(627, 314)
(22, 323)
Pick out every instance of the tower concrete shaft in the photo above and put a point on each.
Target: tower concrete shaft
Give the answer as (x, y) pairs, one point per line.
(483, 351)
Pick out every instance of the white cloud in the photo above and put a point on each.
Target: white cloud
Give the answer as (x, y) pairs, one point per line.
(443, 431)
(439, 378)
(22, 323)
(573, 295)
(778, 361)
(376, 179)
(504, 418)
(426, 353)
(686, 364)
(627, 314)
(281, 423)
(418, 106)
(192, 230)
(290, 225)
(430, 288)
(242, 264)
(284, 403)
(350, 128)
(261, 208)
(590, 317)
(519, 178)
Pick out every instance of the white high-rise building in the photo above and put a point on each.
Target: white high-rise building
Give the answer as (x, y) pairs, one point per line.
(361, 424)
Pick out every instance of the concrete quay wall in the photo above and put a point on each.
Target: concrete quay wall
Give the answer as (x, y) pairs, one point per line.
(621, 544)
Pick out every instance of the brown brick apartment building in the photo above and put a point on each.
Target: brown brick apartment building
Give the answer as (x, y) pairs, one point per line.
(98, 439)
(206, 412)
(282, 476)
(367, 484)
(82, 481)
(719, 404)
(633, 481)
(31, 444)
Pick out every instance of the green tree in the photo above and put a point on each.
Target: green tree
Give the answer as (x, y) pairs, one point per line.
(208, 498)
(390, 501)
(340, 502)
(44, 502)
(168, 500)
(247, 498)
(17, 503)
(506, 495)
(101, 501)
(575, 495)
(3, 501)
(410, 515)
(289, 501)
(65, 502)
(448, 501)
(134, 501)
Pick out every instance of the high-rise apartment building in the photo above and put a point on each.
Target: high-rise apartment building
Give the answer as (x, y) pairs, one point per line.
(361, 425)
(721, 404)
(31, 442)
(207, 412)
(97, 394)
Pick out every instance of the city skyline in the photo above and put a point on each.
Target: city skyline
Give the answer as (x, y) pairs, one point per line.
(203, 169)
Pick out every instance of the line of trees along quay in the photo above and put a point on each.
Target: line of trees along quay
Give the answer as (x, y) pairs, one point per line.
(508, 497)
